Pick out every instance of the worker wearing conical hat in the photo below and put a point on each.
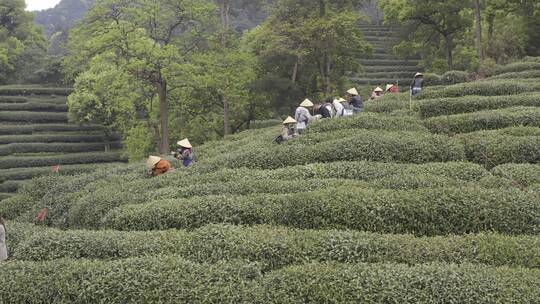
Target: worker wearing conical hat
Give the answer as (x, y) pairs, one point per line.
(185, 152)
(377, 93)
(303, 116)
(289, 129)
(417, 84)
(157, 166)
(355, 100)
(391, 88)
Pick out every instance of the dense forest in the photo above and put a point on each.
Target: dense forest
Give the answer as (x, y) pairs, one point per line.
(155, 70)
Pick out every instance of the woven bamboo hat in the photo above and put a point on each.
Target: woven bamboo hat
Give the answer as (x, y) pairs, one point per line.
(341, 99)
(353, 91)
(289, 120)
(378, 89)
(307, 103)
(152, 162)
(389, 86)
(184, 143)
(418, 74)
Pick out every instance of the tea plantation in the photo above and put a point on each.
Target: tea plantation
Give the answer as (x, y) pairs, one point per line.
(35, 135)
(437, 201)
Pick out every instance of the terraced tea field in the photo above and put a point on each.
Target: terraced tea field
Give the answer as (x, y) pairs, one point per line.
(434, 202)
(383, 66)
(35, 135)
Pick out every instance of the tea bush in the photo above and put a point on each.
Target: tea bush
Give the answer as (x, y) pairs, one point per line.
(482, 88)
(526, 174)
(413, 147)
(368, 121)
(66, 159)
(32, 128)
(10, 149)
(57, 138)
(485, 120)
(449, 106)
(517, 67)
(272, 247)
(491, 149)
(438, 211)
(32, 117)
(45, 107)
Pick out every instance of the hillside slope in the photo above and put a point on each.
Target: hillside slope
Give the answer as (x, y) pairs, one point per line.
(35, 135)
(431, 202)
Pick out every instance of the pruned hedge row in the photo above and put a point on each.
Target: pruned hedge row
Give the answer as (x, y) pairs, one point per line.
(368, 121)
(261, 124)
(57, 138)
(428, 212)
(13, 99)
(492, 149)
(485, 120)
(449, 106)
(483, 88)
(273, 247)
(168, 279)
(67, 159)
(10, 149)
(4, 196)
(388, 103)
(517, 67)
(29, 173)
(32, 128)
(33, 90)
(518, 75)
(448, 78)
(32, 117)
(525, 174)
(11, 186)
(403, 147)
(45, 107)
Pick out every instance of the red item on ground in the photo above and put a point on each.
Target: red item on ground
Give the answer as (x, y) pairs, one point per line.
(393, 89)
(42, 214)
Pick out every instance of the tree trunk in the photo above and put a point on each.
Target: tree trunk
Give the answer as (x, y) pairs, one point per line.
(479, 43)
(226, 123)
(225, 20)
(295, 71)
(164, 117)
(491, 26)
(449, 48)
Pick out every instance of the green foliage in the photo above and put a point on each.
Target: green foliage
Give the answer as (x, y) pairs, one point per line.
(525, 174)
(492, 149)
(273, 247)
(415, 147)
(56, 138)
(518, 75)
(483, 88)
(451, 211)
(368, 121)
(485, 120)
(29, 173)
(139, 143)
(24, 90)
(467, 104)
(15, 148)
(49, 127)
(517, 67)
(67, 159)
(32, 117)
(30, 106)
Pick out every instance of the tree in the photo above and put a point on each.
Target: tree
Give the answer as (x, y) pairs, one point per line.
(314, 42)
(478, 17)
(429, 20)
(18, 37)
(145, 39)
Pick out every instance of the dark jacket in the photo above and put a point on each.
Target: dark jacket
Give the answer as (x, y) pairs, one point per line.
(325, 112)
(357, 102)
(417, 83)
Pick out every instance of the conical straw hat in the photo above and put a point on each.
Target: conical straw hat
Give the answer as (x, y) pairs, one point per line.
(418, 74)
(352, 91)
(152, 161)
(341, 99)
(289, 120)
(307, 103)
(185, 143)
(389, 86)
(378, 89)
